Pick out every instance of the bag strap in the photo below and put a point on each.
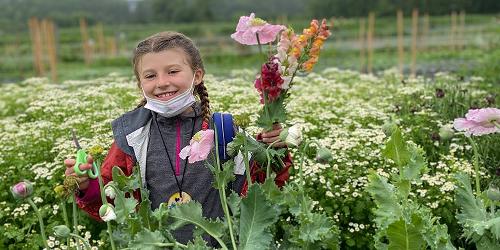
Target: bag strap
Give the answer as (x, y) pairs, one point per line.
(225, 132)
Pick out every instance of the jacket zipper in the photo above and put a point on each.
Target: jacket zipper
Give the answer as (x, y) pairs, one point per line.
(178, 149)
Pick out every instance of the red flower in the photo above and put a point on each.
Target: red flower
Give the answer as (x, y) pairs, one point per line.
(270, 81)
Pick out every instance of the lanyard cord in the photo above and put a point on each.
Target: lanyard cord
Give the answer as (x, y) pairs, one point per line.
(168, 155)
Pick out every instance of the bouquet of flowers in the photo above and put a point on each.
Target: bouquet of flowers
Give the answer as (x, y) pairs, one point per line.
(291, 54)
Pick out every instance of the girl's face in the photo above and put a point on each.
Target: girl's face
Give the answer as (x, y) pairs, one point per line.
(166, 74)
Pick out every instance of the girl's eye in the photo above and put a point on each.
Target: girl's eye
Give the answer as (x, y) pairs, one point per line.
(173, 72)
(149, 76)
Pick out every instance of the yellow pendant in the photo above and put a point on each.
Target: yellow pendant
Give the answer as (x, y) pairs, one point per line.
(178, 199)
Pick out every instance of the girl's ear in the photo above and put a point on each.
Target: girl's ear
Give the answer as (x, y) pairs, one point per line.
(198, 76)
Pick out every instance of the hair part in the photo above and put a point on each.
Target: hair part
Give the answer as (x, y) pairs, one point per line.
(171, 40)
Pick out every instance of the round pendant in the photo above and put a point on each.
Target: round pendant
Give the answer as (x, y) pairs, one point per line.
(178, 199)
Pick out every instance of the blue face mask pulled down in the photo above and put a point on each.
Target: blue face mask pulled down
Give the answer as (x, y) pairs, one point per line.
(173, 106)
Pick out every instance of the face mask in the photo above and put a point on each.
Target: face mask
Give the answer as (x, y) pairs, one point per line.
(173, 106)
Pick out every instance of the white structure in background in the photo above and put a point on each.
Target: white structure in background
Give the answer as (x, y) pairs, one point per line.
(132, 5)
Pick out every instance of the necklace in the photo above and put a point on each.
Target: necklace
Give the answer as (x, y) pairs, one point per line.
(181, 196)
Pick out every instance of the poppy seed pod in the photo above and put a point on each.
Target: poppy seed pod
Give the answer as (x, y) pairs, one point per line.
(62, 231)
(493, 193)
(323, 155)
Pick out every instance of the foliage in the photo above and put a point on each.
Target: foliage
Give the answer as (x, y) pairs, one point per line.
(401, 221)
(345, 115)
(480, 226)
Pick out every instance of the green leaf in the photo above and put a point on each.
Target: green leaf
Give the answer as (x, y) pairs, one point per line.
(145, 212)
(197, 244)
(416, 163)
(147, 240)
(257, 215)
(224, 176)
(276, 112)
(124, 206)
(388, 209)
(125, 183)
(272, 191)
(191, 213)
(396, 150)
(314, 227)
(472, 210)
(160, 215)
(404, 236)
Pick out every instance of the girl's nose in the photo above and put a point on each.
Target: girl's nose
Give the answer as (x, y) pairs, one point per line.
(163, 81)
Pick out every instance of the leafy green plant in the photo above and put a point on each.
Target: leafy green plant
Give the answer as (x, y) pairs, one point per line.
(402, 222)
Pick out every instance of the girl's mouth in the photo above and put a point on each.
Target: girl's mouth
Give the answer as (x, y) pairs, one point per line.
(166, 95)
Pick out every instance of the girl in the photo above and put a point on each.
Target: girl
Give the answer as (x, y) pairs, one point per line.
(169, 72)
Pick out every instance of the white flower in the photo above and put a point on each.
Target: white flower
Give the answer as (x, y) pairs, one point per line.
(110, 191)
(292, 136)
(107, 212)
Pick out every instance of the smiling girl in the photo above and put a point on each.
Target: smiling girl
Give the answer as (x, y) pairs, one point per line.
(169, 71)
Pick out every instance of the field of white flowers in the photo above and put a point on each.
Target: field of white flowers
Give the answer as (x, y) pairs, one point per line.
(344, 111)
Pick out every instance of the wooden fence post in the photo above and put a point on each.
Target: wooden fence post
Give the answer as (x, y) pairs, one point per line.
(85, 41)
(362, 44)
(425, 32)
(414, 34)
(400, 42)
(371, 31)
(51, 47)
(101, 47)
(36, 44)
(462, 29)
(453, 30)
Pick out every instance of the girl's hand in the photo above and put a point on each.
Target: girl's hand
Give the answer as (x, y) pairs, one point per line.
(83, 180)
(273, 136)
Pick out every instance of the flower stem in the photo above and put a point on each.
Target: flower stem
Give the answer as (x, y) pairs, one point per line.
(105, 201)
(222, 196)
(75, 220)
(268, 169)
(78, 237)
(40, 221)
(258, 42)
(66, 220)
(496, 124)
(247, 164)
(476, 165)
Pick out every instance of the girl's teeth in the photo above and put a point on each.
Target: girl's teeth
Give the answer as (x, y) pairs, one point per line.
(166, 94)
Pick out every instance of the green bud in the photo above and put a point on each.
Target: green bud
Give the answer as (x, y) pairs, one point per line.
(323, 155)
(62, 231)
(493, 193)
(388, 128)
(446, 132)
(231, 149)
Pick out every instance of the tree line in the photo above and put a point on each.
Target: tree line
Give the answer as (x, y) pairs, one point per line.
(15, 13)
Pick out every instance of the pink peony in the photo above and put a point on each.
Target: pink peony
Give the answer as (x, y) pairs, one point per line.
(479, 122)
(199, 147)
(249, 26)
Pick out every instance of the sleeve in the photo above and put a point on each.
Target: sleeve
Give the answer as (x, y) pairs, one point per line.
(90, 199)
(258, 174)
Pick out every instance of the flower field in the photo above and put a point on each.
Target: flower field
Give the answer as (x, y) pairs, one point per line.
(353, 115)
